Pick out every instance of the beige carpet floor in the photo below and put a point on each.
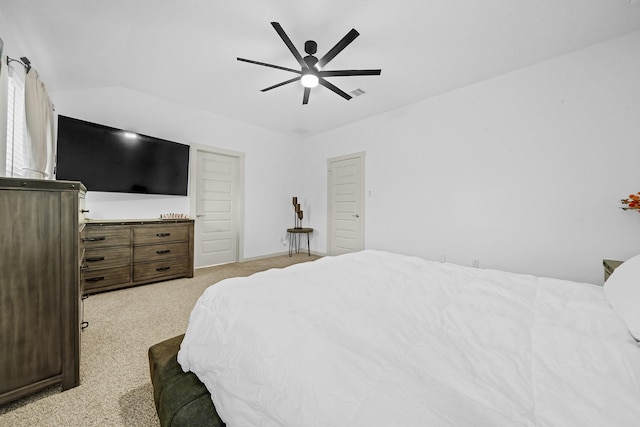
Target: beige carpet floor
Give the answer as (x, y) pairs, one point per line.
(115, 387)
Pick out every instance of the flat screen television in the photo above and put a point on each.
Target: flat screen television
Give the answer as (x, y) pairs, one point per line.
(113, 160)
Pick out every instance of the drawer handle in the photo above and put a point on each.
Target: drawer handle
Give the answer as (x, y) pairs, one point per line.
(94, 279)
(95, 259)
(162, 268)
(84, 210)
(163, 234)
(94, 239)
(84, 268)
(165, 251)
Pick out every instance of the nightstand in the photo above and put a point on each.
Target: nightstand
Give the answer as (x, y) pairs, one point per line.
(293, 245)
(609, 266)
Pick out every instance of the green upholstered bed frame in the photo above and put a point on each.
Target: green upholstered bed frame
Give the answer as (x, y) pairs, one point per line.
(181, 399)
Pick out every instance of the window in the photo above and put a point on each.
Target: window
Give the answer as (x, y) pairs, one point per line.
(15, 160)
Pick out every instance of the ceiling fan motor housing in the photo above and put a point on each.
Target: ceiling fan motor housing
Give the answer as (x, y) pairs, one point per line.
(310, 60)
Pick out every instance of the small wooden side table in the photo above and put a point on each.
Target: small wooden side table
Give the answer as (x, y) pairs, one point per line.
(609, 266)
(295, 244)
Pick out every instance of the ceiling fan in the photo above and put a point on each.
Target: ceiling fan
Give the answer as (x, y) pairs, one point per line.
(311, 71)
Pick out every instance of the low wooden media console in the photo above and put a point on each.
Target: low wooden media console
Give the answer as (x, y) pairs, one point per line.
(123, 253)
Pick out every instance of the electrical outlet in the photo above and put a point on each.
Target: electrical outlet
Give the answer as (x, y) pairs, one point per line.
(475, 263)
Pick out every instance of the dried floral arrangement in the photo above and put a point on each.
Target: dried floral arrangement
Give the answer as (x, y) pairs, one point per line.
(631, 203)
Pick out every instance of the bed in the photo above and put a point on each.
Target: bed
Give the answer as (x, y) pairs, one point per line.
(381, 339)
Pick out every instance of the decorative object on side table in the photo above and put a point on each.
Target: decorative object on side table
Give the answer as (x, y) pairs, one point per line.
(298, 214)
(297, 230)
(631, 203)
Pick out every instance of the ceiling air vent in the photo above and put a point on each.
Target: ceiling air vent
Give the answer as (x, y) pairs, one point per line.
(358, 92)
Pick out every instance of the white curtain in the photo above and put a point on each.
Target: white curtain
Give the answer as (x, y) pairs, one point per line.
(40, 128)
(3, 113)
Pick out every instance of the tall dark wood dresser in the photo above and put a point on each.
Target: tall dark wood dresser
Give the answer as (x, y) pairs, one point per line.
(40, 253)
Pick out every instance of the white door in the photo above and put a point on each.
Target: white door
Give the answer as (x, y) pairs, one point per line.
(346, 204)
(217, 214)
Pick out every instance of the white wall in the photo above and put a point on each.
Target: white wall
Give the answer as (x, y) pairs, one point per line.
(523, 172)
(271, 165)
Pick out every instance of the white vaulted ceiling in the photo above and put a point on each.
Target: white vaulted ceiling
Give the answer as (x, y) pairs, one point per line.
(185, 51)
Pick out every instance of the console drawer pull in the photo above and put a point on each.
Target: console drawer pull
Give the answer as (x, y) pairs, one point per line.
(162, 268)
(165, 251)
(163, 234)
(94, 279)
(93, 239)
(95, 259)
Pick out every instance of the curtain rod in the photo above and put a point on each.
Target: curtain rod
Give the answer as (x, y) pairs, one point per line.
(24, 61)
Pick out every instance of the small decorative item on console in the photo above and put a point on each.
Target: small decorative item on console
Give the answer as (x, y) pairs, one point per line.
(174, 216)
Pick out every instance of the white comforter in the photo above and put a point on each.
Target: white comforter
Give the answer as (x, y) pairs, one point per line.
(380, 339)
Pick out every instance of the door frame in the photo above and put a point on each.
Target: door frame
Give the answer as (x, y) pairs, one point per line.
(330, 236)
(193, 182)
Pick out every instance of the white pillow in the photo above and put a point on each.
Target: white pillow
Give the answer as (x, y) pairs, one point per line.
(622, 290)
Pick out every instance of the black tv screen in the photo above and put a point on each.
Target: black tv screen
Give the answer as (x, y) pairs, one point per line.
(109, 159)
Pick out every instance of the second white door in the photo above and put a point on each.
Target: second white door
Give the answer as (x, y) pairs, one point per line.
(346, 204)
(217, 191)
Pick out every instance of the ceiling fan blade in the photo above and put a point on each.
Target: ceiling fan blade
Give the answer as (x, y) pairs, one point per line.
(285, 38)
(269, 65)
(349, 73)
(280, 84)
(305, 97)
(333, 88)
(346, 40)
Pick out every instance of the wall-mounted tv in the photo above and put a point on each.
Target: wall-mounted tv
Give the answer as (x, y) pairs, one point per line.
(113, 160)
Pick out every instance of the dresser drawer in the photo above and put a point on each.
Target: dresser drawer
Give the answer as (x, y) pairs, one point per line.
(105, 277)
(97, 258)
(160, 269)
(160, 252)
(160, 234)
(99, 237)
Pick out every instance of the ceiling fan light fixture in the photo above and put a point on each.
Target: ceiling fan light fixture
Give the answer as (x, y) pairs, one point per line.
(309, 80)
